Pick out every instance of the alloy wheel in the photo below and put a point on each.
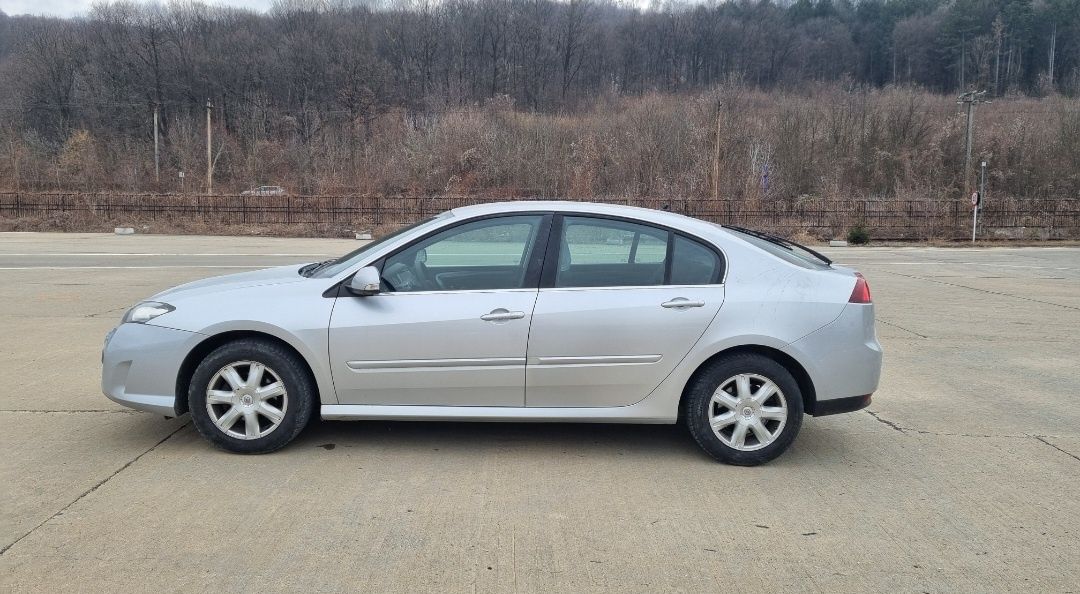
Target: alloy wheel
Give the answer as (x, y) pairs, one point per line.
(246, 400)
(747, 412)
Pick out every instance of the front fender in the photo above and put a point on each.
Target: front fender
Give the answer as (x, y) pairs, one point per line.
(295, 313)
(311, 344)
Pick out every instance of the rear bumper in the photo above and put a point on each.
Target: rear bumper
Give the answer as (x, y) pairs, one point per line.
(843, 360)
(139, 365)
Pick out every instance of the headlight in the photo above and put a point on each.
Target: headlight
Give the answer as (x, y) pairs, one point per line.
(146, 311)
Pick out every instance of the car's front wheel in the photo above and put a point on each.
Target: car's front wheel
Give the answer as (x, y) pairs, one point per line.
(251, 396)
(744, 409)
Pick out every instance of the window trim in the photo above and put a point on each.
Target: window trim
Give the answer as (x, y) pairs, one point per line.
(554, 249)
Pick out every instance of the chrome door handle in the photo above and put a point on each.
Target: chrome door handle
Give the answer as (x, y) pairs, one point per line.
(681, 303)
(500, 315)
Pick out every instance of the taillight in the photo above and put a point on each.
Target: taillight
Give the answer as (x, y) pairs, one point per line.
(861, 293)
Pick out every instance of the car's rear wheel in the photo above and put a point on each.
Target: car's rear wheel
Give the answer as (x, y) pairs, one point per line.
(251, 396)
(744, 409)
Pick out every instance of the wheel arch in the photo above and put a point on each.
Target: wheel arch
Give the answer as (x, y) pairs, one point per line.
(796, 369)
(207, 346)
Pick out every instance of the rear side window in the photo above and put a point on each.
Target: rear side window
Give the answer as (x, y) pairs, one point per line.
(693, 263)
(610, 253)
(592, 241)
(595, 252)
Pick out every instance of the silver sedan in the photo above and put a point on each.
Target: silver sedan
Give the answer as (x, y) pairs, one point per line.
(526, 311)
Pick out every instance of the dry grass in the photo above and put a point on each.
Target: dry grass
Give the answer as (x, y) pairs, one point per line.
(825, 141)
(810, 163)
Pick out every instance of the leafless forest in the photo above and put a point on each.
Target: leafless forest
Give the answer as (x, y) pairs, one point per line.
(736, 100)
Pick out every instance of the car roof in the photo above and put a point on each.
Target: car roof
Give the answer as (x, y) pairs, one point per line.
(659, 217)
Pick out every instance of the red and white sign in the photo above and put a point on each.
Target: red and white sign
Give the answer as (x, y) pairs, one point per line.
(975, 198)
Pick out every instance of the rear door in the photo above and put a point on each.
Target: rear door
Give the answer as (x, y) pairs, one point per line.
(620, 304)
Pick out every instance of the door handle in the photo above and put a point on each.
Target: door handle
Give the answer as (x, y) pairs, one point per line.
(500, 315)
(681, 303)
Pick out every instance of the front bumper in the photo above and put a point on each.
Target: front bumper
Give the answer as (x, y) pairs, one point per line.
(140, 363)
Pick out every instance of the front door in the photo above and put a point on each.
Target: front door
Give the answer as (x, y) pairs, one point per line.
(619, 308)
(451, 326)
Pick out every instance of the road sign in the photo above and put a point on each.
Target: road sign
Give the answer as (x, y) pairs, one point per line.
(975, 198)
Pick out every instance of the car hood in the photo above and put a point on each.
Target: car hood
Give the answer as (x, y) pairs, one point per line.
(268, 276)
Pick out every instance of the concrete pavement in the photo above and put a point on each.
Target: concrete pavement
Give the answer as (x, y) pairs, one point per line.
(962, 475)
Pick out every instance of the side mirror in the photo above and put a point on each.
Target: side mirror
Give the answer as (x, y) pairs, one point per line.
(365, 282)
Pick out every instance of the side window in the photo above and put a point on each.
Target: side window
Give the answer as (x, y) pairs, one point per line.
(609, 253)
(693, 263)
(482, 255)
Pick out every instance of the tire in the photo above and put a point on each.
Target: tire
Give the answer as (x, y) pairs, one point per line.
(779, 414)
(225, 404)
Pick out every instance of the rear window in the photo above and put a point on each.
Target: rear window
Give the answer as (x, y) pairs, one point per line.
(793, 254)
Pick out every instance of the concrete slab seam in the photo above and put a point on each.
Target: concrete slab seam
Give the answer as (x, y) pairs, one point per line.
(1070, 454)
(912, 276)
(92, 489)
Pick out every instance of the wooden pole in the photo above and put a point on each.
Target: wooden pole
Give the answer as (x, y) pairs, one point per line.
(716, 152)
(209, 155)
(967, 150)
(157, 162)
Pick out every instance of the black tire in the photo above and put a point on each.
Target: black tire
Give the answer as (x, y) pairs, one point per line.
(698, 402)
(282, 362)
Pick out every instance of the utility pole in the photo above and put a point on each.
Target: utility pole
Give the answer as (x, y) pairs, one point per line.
(1053, 48)
(716, 153)
(157, 162)
(963, 60)
(209, 154)
(14, 162)
(969, 100)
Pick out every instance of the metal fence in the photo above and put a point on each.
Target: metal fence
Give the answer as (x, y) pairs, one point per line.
(886, 218)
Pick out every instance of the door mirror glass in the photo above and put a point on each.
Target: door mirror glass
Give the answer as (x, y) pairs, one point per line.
(365, 282)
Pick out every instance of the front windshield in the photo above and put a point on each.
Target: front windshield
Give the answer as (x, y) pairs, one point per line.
(356, 256)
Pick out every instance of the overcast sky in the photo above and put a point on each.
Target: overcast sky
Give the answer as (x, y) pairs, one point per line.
(78, 7)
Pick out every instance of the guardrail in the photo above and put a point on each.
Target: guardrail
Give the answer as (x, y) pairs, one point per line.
(887, 218)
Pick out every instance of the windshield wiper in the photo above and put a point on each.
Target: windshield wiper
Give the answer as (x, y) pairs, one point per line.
(780, 241)
(310, 269)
